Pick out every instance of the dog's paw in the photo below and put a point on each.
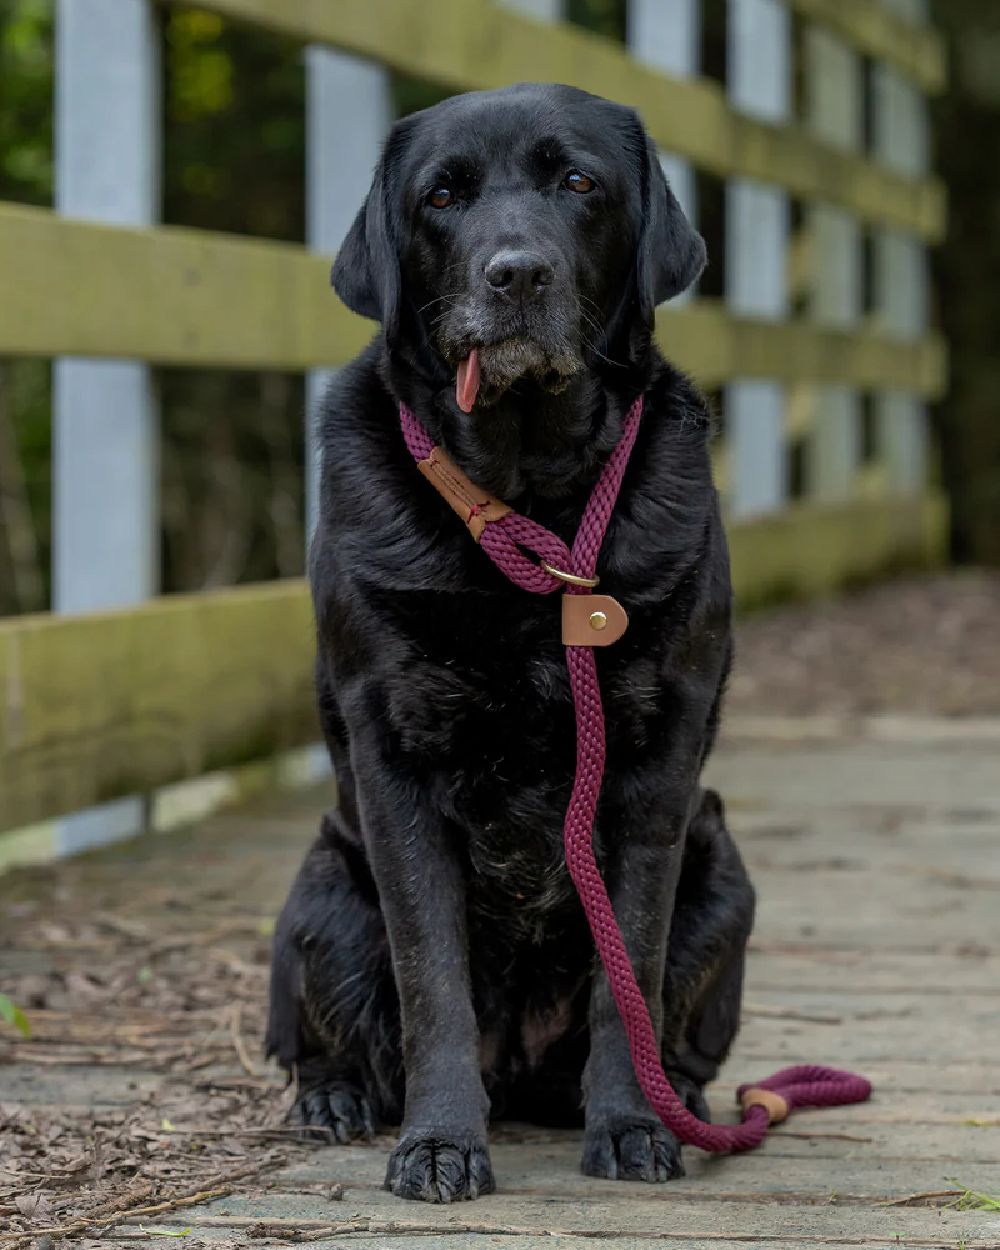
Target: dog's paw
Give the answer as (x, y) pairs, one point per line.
(631, 1148)
(437, 1165)
(337, 1111)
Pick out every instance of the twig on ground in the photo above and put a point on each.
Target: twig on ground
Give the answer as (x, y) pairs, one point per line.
(918, 1199)
(238, 1044)
(789, 1013)
(190, 1199)
(276, 1130)
(825, 1136)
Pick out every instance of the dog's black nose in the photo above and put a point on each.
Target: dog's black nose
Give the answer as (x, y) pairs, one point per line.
(518, 274)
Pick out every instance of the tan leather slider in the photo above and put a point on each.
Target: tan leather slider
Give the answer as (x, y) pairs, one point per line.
(471, 502)
(774, 1104)
(592, 620)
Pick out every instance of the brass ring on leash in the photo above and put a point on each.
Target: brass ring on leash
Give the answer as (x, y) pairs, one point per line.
(572, 578)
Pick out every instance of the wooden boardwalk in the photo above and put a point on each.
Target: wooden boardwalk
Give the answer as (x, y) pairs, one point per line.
(877, 860)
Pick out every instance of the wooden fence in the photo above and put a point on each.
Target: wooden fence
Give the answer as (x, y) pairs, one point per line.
(824, 462)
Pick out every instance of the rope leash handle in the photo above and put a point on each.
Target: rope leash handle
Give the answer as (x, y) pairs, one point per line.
(803, 1086)
(506, 541)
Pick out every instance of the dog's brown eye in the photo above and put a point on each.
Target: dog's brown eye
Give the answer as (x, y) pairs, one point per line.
(580, 183)
(441, 197)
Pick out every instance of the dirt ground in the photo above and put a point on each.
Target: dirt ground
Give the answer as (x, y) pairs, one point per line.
(142, 971)
(928, 645)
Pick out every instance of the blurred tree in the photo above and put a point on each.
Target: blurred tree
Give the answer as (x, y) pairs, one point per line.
(603, 17)
(26, 176)
(234, 148)
(234, 161)
(26, 101)
(967, 124)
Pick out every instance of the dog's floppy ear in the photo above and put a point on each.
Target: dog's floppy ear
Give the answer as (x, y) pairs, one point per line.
(366, 272)
(671, 252)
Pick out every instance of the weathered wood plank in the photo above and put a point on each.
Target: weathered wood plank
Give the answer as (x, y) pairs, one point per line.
(470, 44)
(913, 48)
(886, 976)
(812, 550)
(116, 703)
(167, 295)
(885, 781)
(186, 297)
(648, 1211)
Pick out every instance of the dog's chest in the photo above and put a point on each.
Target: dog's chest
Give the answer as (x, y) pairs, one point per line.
(512, 749)
(507, 768)
(482, 702)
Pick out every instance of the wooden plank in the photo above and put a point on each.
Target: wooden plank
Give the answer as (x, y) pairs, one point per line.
(178, 296)
(642, 1216)
(812, 550)
(714, 346)
(913, 48)
(167, 295)
(467, 45)
(549, 1165)
(115, 703)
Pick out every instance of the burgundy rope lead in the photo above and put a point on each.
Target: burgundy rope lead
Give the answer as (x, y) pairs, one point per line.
(505, 540)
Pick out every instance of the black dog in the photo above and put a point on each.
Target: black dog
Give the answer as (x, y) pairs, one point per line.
(432, 964)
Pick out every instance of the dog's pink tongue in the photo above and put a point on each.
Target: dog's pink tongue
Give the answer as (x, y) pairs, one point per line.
(467, 381)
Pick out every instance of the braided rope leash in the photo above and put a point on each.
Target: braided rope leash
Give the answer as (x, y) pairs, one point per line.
(508, 538)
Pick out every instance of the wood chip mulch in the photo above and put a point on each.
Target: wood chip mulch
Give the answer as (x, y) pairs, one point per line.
(149, 1008)
(920, 645)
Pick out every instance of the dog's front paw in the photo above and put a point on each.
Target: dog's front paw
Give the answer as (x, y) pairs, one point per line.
(630, 1148)
(337, 1110)
(438, 1165)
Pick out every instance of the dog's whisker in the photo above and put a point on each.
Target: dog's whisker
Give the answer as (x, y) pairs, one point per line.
(452, 297)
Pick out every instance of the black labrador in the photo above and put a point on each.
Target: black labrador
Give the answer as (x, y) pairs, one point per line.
(432, 966)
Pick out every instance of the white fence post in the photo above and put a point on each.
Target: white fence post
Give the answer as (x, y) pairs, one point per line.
(834, 84)
(901, 142)
(915, 10)
(757, 217)
(667, 35)
(348, 112)
(545, 10)
(105, 425)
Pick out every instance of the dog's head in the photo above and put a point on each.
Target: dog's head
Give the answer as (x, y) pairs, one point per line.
(517, 233)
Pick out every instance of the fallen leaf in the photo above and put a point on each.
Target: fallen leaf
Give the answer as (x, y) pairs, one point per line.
(10, 1013)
